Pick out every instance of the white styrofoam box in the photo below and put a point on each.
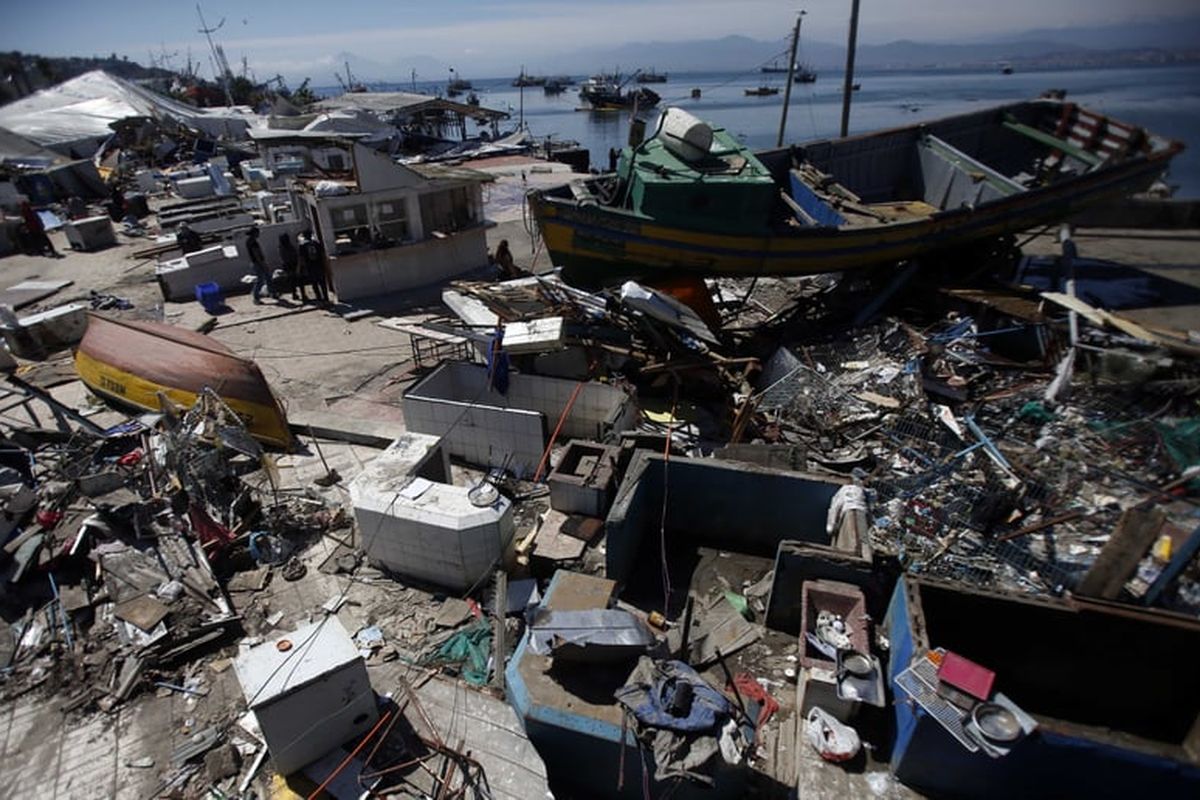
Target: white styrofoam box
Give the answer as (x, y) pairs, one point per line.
(422, 529)
(194, 188)
(48, 331)
(224, 265)
(91, 233)
(309, 696)
(534, 336)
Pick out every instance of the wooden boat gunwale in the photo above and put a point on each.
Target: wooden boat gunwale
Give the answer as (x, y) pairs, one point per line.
(590, 236)
(130, 362)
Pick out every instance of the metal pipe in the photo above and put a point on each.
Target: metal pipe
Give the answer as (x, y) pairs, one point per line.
(787, 90)
(848, 85)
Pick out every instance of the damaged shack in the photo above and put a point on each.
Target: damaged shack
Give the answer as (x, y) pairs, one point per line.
(391, 227)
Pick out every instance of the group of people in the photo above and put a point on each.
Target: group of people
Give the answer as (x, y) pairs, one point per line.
(303, 267)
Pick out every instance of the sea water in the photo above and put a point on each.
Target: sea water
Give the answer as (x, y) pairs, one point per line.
(1165, 100)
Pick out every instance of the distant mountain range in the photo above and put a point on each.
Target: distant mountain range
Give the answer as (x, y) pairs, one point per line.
(1136, 42)
(740, 52)
(1145, 42)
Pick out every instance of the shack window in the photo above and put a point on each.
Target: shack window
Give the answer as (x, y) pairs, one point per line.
(393, 220)
(447, 211)
(349, 216)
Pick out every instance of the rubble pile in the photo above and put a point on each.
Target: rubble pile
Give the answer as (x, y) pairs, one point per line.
(125, 546)
(705, 536)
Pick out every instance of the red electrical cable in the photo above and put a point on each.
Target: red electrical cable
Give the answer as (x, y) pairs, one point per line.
(350, 757)
(537, 476)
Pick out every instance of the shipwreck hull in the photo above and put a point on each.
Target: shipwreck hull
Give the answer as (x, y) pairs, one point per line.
(598, 244)
(132, 362)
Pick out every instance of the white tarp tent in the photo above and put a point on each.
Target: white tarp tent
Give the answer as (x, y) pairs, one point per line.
(79, 111)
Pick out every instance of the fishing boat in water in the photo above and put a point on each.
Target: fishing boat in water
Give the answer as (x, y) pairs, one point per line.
(528, 80)
(604, 93)
(457, 85)
(691, 200)
(132, 362)
(651, 77)
(762, 91)
(802, 73)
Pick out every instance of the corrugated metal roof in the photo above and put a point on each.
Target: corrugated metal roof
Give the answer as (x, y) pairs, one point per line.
(407, 102)
(283, 135)
(436, 171)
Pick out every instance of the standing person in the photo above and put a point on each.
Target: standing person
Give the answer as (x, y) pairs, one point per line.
(262, 277)
(116, 203)
(36, 231)
(504, 260)
(187, 239)
(290, 260)
(312, 266)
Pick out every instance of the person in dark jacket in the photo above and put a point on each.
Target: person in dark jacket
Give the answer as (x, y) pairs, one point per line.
(312, 268)
(262, 276)
(37, 238)
(289, 259)
(504, 261)
(187, 239)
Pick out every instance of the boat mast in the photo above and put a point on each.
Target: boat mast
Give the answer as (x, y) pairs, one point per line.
(787, 90)
(848, 86)
(219, 62)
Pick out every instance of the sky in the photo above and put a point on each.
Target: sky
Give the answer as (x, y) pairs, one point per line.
(491, 39)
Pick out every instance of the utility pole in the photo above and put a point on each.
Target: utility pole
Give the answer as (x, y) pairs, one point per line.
(848, 86)
(787, 90)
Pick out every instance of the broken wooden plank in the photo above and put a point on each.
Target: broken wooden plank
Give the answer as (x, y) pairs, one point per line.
(1037, 526)
(1102, 318)
(879, 400)
(1118, 560)
(554, 545)
(143, 611)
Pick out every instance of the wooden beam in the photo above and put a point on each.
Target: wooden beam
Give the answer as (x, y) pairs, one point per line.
(1037, 526)
(1118, 560)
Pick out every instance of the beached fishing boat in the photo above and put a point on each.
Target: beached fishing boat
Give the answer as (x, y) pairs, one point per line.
(131, 362)
(692, 200)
